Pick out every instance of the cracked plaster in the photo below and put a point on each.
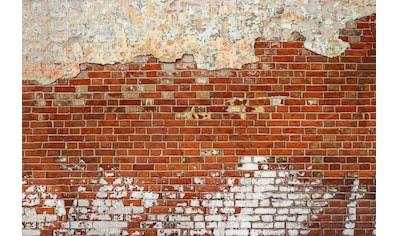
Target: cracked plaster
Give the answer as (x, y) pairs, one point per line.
(59, 35)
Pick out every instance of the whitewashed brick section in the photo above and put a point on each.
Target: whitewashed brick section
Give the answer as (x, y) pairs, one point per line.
(272, 202)
(30, 232)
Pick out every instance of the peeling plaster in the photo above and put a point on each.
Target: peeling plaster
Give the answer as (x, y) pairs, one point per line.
(58, 36)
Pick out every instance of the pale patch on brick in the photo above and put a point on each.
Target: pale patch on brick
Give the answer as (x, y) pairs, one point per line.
(312, 102)
(211, 152)
(202, 80)
(168, 66)
(146, 87)
(277, 100)
(202, 94)
(167, 95)
(194, 113)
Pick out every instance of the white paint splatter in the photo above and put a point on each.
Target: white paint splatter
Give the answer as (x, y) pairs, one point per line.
(350, 220)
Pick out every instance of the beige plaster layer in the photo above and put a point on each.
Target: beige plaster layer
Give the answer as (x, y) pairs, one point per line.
(59, 35)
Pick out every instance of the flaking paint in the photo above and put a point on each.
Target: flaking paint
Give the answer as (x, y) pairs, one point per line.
(58, 36)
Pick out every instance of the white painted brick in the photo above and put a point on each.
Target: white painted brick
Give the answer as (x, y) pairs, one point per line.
(282, 211)
(247, 203)
(262, 225)
(191, 210)
(50, 202)
(137, 195)
(255, 196)
(149, 195)
(108, 202)
(198, 218)
(248, 218)
(199, 225)
(280, 218)
(232, 217)
(227, 210)
(246, 159)
(81, 224)
(294, 182)
(180, 218)
(298, 196)
(165, 232)
(280, 181)
(240, 196)
(228, 203)
(263, 211)
(211, 225)
(247, 211)
(151, 217)
(286, 188)
(31, 232)
(302, 211)
(33, 218)
(263, 181)
(101, 209)
(260, 159)
(293, 232)
(162, 217)
(245, 181)
(263, 203)
(82, 210)
(179, 210)
(137, 210)
(267, 218)
(215, 218)
(185, 225)
(51, 218)
(247, 225)
(284, 203)
(194, 203)
(232, 224)
(228, 196)
(213, 210)
(293, 225)
(279, 196)
(264, 188)
(109, 224)
(98, 202)
(273, 232)
(302, 218)
(316, 195)
(236, 232)
(215, 203)
(255, 232)
(248, 166)
(279, 225)
(300, 203)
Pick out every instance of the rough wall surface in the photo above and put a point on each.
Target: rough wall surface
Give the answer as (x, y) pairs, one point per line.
(284, 146)
(59, 35)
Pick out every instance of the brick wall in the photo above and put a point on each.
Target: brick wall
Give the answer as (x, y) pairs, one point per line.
(285, 146)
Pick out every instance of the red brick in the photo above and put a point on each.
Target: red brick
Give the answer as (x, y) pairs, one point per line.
(160, 150)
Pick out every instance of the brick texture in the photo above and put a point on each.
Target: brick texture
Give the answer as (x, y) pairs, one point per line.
(285, 146)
